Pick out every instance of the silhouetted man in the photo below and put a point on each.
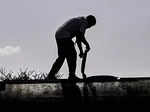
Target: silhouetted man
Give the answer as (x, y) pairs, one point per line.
(74, 27)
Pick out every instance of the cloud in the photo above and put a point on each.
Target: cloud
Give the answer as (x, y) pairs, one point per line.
(9, 50)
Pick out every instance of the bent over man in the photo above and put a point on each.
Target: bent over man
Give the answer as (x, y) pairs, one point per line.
(74, 27)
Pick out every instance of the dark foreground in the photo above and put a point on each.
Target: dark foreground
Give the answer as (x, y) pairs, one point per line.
(97, 91)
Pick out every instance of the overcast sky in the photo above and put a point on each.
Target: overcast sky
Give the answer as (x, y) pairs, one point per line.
(119, 41)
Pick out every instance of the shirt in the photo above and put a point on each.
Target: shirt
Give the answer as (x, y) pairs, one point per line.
(71, 28)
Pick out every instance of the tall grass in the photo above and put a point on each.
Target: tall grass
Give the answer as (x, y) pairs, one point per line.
(25, 74)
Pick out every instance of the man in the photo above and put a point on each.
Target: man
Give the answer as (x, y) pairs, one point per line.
(74, 27)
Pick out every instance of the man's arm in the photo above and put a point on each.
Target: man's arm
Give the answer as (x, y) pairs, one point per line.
(80, 47)
(81, 39)
(84, 41)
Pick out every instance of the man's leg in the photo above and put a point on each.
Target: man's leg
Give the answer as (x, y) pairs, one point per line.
(56, 67)
(59, 61)
(71, 59)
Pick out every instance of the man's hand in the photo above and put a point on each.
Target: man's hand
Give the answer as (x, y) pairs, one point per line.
(81, 54)
(87, 49)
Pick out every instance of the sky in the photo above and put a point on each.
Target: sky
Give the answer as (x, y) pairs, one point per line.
(119, 41)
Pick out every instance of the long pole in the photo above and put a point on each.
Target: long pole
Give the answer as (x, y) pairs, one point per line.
(83, 64)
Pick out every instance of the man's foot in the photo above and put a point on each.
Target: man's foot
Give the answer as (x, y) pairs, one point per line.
(50, 78)
(74, 78)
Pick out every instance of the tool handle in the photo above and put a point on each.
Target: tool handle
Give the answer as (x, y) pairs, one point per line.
(83, 64)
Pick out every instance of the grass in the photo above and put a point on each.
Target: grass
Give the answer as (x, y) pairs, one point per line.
(25, 74)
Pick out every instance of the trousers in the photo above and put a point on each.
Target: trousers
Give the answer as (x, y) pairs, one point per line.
(66, 50)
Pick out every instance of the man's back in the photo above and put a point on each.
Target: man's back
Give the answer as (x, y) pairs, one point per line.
(70, 28)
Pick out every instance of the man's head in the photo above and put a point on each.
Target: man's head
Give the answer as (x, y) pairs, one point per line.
(91, 20)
